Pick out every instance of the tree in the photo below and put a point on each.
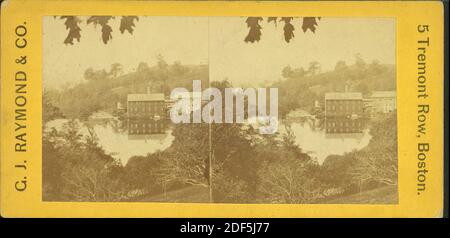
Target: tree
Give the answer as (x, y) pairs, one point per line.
(287, 72)
(178, 68)
(314, 68)
(162, 64)
(375, 67)
(299, 72)
(163, 72)
(76, 168)
(378, 161)
(142, 67)
(334, 172)
(359, 61)
(49, 111)
(340, 65)
(116, 70)
(93, 75)
(144, 173)
(186, 159)
(288, 174)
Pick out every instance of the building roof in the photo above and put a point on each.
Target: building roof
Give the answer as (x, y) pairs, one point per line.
(145, 97)
(383, 94)
(343, 96)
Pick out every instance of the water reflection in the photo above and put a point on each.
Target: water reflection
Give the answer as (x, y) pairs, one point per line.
(146, 126)
(115, 138)
(139, 137)
(331, 136)
(344, 125)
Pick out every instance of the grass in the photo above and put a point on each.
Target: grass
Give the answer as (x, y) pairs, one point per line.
(191, 194)
(199, 194)
(382, 195)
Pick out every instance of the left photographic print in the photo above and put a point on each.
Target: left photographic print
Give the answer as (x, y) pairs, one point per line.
(106, 90)
(244, 110)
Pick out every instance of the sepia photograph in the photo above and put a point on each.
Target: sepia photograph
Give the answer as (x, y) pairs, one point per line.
(197, 109)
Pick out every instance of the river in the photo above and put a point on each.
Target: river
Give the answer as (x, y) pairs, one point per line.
(117, 141)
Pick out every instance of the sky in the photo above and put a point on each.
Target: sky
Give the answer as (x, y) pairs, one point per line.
(217, 41)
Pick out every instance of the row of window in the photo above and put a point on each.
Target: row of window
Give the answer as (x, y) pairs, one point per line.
(144, 125)
(145, 109)
(145, 102)
(146, 131)
(344, 107)
(344, 101)
(346, 123)
(342, 130)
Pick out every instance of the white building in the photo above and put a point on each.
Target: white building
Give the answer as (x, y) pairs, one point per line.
(383, 101)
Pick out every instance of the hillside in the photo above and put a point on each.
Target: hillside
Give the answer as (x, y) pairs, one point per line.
(102, 90)
(300, 88)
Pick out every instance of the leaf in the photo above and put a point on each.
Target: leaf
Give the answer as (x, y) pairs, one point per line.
(106, 33)
(274, 19)
(71, 23)
(288, 28)
(99, 20)
(254, 33)
(309, 23)
(127, 24)
(103, 22)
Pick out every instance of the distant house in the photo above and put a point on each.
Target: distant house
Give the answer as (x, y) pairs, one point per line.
(343, 104)
(383, 101)
(146, 106)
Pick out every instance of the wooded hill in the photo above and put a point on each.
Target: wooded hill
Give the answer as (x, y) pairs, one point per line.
(298, 88)
(101, 89)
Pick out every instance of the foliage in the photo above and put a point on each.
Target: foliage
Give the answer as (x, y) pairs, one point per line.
(72, 23)
(142, 173)
(378, 161)
(254, 33)
(255, 29)
(186, 160)
(127, 23)
(287, 174)
(102, 88)
(300, 88)
(76, 168)
(375, 164)
(50, 111)
(247, 167)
